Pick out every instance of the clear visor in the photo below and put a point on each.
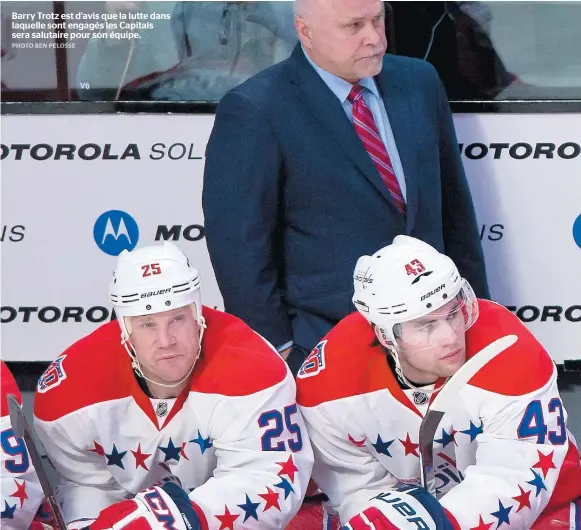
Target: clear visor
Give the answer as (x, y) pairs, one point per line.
(442, 328)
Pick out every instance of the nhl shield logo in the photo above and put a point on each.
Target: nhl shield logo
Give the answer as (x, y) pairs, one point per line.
(420, 398)
(161, 409)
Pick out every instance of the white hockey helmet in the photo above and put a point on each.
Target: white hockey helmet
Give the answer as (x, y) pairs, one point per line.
(151, 280)
(407, 280)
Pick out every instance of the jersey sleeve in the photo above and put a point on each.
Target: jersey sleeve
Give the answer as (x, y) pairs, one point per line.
(85, 485)
(350, 475)
(20, 491)
(519, 454)
(264, 460)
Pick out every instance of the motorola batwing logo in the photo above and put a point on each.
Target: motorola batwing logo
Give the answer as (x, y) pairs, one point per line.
(115, 231)
(577, 231)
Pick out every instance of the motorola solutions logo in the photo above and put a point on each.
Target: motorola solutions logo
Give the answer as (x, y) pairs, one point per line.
(577, 231)
(115, 231)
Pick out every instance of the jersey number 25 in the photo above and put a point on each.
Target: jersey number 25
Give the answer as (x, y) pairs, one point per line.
(274, 420)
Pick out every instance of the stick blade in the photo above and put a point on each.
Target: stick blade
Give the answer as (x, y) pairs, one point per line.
(16, 415)
(428, 429)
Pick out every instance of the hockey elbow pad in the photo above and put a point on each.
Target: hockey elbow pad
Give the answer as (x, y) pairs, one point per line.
(407, 508)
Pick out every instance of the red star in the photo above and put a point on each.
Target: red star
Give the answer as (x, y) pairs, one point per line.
(226, 520)
(183, 450)
(140, 458)
(545, 463)
(271, 499)
(410, 447)
(98, 449)
(288, 468)
(523, 499)
(20, 492)
(482, 525)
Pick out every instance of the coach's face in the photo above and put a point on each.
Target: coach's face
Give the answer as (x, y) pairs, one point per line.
(344, 37)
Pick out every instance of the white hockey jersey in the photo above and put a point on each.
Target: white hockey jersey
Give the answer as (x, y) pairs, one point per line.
(20, 491)
(501, 458)
(235, 439)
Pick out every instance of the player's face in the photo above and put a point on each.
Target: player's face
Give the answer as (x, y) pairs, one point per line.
(345, 37)
(166, 344)
(434, 345)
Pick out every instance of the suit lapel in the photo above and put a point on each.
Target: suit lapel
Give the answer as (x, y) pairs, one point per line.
(328, 111)
(396, 99)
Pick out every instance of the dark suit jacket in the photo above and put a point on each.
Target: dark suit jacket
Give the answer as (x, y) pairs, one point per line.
(291, 198)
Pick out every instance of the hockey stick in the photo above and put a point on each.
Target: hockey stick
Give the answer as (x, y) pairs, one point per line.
(23, 429)
(446, 399)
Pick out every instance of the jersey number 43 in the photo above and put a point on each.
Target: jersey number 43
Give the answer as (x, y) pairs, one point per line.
(533, 423)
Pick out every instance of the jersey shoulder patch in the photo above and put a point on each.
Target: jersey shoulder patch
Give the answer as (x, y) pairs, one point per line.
(347, 362)
(94, 369)
(235, 360)
(522, 368)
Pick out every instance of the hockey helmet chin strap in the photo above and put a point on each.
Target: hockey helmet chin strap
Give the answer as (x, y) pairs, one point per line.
(400, 375)
(136, 365)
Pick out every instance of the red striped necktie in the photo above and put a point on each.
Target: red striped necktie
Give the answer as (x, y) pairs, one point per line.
(367, 130)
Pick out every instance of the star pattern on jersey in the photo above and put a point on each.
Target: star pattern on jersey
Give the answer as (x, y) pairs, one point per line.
(140, 458)
(183, 451)
(203, 443)
(537, 482)
(97, 449)
(382, 447)
(20, 492)
(8, 512)
(545, 463)
(410, 447)
(285, 485)
(171, 452)
(473, 431)
(249, 508)
(524, 499)
(271, 498)
(482, 525)
(227, 519)
(446, 438)
(288, 468)
(502, 514)
(115, 458)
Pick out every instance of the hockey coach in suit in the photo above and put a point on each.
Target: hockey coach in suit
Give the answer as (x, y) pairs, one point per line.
(324, 157)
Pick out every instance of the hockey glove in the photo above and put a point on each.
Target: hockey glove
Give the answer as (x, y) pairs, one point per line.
(407, 507)
(155, 508)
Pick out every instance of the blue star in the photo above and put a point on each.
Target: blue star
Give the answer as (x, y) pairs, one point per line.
(204, 443)
(286, 486)
(446, 438)
(474, 431)
(8, 512)
(250, 508)
(171, 451)
(502, 514)
(115, 458)
(382, 447)
(537, 482)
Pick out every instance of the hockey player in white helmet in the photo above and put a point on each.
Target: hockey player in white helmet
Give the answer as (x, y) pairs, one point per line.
(154, 306)
(175, 416)
(419, 312)
(503, 456)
